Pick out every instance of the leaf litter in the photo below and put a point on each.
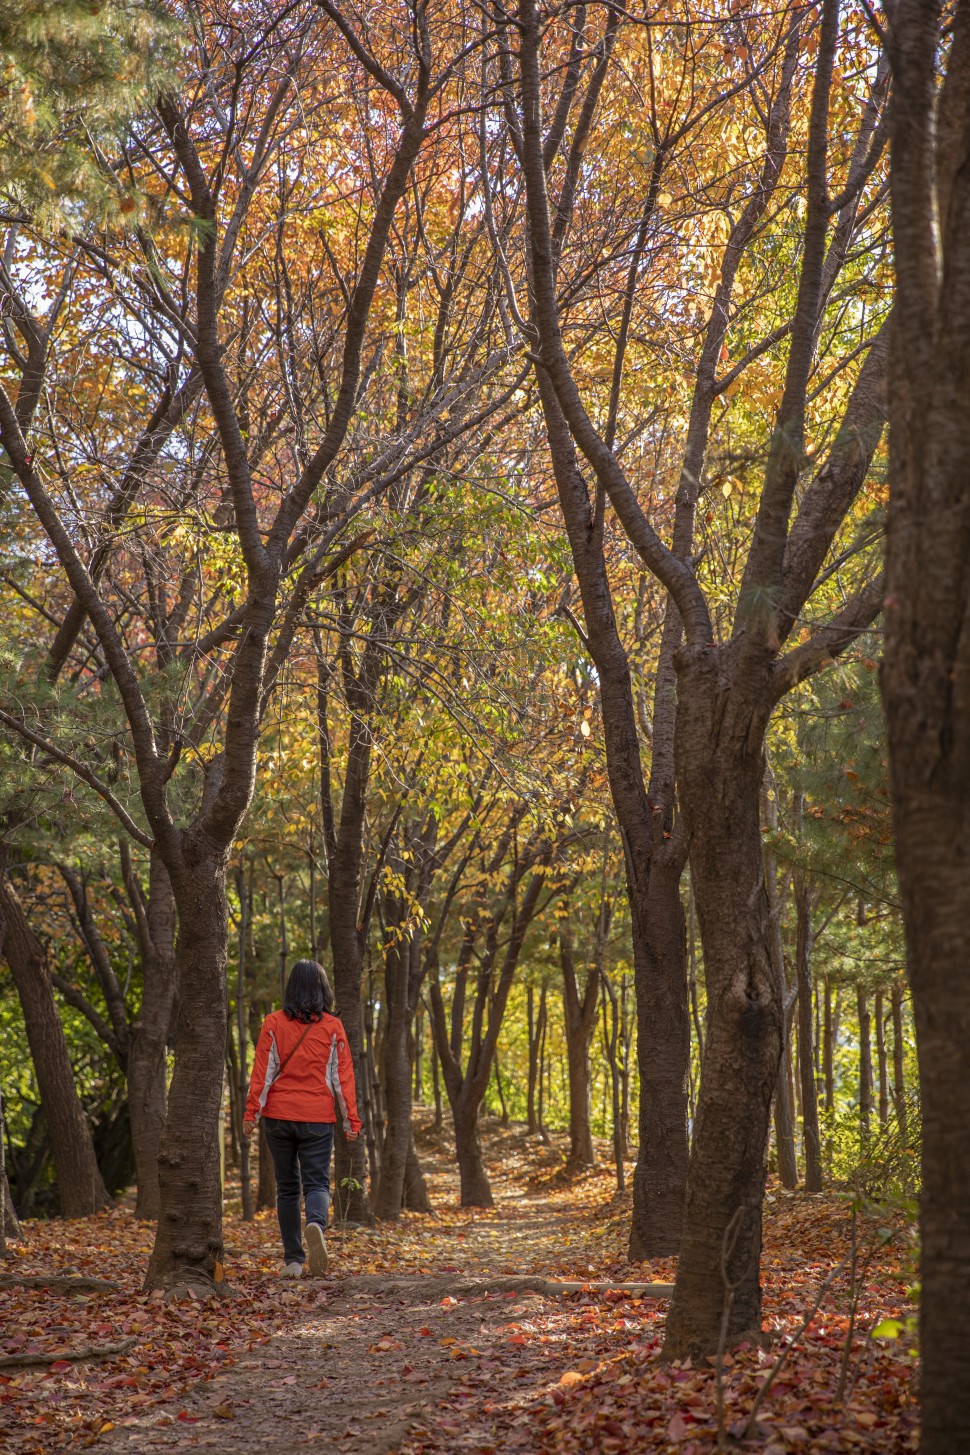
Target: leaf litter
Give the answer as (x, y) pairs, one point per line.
(377, 1358)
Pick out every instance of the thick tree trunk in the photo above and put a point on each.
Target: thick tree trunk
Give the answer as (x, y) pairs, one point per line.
(188, 1243)
(806, 1056)
(415, 1198)
(720, 766)
(148, 1038)
(663, 1053)
(475, 1188)
(80, 1187)
(926, 670)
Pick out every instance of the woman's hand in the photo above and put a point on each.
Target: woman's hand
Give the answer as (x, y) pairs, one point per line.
(351, 1136)
(247, 1129)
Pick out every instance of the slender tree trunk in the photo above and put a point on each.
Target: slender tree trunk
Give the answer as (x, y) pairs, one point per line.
(501, 1090)
(245, 1174)
(865, 1060)
(611, 1030)
(80, 1187)
(419, 1055)
(899, 1051)
(653, 869)
(882, 1060)
(784, 1098)
(266, 1178)
(188, 1243)
(148, 1038)
(9, 1226)
(535, 1022)
(397, 1143)
(806, 1057)
(580, 1016)
(439, 1111)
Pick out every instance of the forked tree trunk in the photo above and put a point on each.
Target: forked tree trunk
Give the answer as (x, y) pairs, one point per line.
(806, 1058)
(80, 1187)
(188, 1243)
(720, 770)
(148, 1038)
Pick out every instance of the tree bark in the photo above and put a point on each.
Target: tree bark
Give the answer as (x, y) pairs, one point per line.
(149, 1033)
(80, 1187)
(865, 1060)
(720, 767)
(882, 1061)
(188, 1243)
(926, 667)
(899, 1051)
(580, 1018)
(476, 1189)
(806, 1055)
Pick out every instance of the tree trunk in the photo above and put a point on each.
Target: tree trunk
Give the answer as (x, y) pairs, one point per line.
(266, 1179)
(720, 767)
(663, 1053)
(830, 1032)
(9, 1226)
(882, 1060)
(653, 866)
(416, 1198)
(80, 1187)
(865, 1061)
(188, 1243)
(806, 1055)
(397, 1144)
(245, 1143)
(899, 1050)
(148, 1038)
(346, 943)
(536, 1022)
(580, 1018)
(475, 1188)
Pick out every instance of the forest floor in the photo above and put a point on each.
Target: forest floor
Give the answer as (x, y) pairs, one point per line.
(417, 1342)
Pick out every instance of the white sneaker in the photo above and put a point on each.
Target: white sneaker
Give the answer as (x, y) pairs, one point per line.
(317, 1245)
(292, 1270)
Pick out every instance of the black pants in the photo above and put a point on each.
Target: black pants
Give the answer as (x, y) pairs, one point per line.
(301, 1154)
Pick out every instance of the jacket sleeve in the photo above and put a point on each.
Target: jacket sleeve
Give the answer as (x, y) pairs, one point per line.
(265, 1068)
(340, 1079)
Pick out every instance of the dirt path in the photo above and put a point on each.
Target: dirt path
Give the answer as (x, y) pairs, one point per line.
(365, 1362)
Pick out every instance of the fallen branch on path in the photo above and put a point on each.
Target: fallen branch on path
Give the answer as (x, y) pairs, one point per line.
(60, 1283)
(72, 1356)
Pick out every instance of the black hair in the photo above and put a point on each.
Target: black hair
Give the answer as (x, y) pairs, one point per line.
(308, 994)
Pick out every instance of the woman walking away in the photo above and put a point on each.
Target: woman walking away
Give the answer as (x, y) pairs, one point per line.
(302, 1073)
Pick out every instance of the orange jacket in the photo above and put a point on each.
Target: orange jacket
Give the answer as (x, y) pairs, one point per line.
(317, 1078)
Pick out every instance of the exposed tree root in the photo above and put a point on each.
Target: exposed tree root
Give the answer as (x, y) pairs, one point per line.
(74, 1356)
(548, 1287)
(59, 1282)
